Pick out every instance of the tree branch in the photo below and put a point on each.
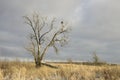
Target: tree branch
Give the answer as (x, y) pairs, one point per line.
(32, 49)
(33, 28)
(51, 27)
(44, 51)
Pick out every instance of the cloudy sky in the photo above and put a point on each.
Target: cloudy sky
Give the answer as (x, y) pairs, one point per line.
(95, 27)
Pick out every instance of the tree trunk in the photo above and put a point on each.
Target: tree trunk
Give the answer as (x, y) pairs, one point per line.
(38, 63)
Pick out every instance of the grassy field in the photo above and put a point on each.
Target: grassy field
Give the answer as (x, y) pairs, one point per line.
(16, 70)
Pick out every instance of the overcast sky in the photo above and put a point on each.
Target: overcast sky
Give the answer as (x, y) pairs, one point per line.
(95, 27)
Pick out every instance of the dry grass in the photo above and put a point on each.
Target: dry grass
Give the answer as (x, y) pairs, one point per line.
(26, 71)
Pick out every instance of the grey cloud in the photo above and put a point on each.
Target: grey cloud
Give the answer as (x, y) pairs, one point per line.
(99, 28)
(95, 27)
(13, 52)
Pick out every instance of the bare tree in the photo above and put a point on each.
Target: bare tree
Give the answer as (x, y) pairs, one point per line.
(45, 33)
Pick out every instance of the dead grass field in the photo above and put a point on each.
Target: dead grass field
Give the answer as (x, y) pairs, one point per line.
(16, 70)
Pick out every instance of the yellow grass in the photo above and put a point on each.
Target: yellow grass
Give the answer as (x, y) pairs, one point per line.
(27, 71)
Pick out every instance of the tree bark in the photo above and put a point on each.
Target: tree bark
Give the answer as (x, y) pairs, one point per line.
(38, 63)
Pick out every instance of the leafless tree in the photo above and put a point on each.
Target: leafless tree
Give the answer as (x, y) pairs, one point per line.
(45, 33)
